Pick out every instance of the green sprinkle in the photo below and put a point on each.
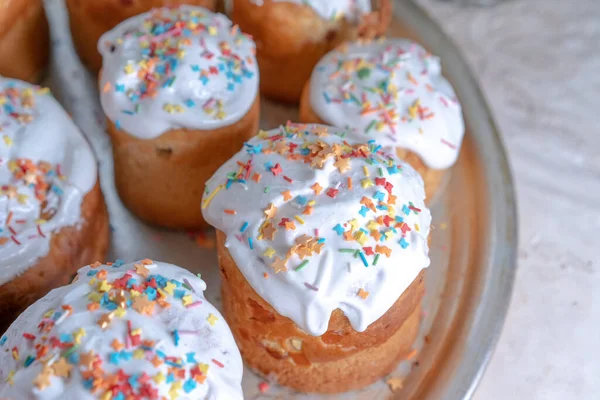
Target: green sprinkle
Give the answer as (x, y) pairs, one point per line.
(380, 171)
(301, 266)
(267, 189)
(346, 250)
(71, 351)
(364, 73)
(376, 259)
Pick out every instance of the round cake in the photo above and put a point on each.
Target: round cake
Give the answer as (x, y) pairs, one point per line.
(122, 331)
(391, 91)
(292, 35)
(322, 240)
(24, 39)
(88, 20)
(52, 212)
(179, 88)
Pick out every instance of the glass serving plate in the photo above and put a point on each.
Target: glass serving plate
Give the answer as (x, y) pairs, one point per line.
(469, 283)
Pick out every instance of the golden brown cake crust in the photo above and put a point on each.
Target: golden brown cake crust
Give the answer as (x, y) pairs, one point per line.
(24, 39)
(335, 362)
(162, 180)
(89, 19)
(291, 39)
(70, 249)
(432, 178)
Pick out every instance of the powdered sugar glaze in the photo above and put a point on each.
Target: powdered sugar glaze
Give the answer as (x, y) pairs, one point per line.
(160, 339)
(335, 9)
(46, 168)
(178, 68)
(317, 220)
(392, 91)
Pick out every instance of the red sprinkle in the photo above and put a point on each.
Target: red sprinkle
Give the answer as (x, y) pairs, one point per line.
(218, 363)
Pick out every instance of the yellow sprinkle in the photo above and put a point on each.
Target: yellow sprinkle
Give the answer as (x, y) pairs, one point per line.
(203, 368)
(207, 201)
(120, 312)
(139, 353)
(262, 134)
(354, 224)
(366, 183)
(269, 252)
(78, 334)
(187, 300)
(366, 170)
(128, 69)
(134, 293)
(107, 395)
(136, 331)
(297, 218)
(9, 378)
(159, 378)
(372, 225)
(212, 31)
(169, 288)
(7, 140)
(417, 227)
(94, 297)
(360, 237)
(22, 198)
(212, 319)
(312, 202)
(104, 286)
(44, 90)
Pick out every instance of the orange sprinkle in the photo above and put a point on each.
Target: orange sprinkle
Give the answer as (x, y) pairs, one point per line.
(363, 294)
(265, 275)
(350, 183)
(287, 195)
(93, 306)
(256, 177)
(230, 212)
(10, 215)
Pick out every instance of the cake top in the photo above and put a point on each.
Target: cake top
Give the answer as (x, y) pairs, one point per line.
(46, 168)
(392, 91)
(317, 220)
(176, 68)
(334, 9)
(122, 331)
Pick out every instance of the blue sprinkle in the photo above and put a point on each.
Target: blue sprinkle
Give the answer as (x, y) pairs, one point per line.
(176, 337)
(126, 355)
(160, 354)
(393, 170)
(195, 67)
(399, 218)
(250, 243)
(244, 227)
(403, 243)
(151, 293)
(92, 272)
(119, 396)
(302, 200)
(363, 258)
(113, 358)
(179, 293)
(111, 306)
(405, 209)
(204, 80)
(133, 381)
(321, 240)
(88, 383)
(190, 103)
(120, 88)
(363, 211)
(118, 263)
(381, 207)
(170, 378)
(379, 196)
(74, 358)
(189, 385)
(118, 124)
(191, 358)
(339, 229)
(29, 360)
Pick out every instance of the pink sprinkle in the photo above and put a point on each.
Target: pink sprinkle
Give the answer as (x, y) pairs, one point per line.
(316, 232)
(312, 287)
(39, 229)
(238, 237)
(188, 332)
(444, 101)
(194, 304)
(263, 387)
(448, 144)
(189, 284)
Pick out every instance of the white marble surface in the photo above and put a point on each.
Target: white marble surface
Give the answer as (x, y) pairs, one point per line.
(538, 62)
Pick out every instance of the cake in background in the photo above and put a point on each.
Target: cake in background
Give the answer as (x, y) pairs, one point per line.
(292, 35)
(89, 20)
(179, 88)
(392, 91)
(52, 213)
(24, 39)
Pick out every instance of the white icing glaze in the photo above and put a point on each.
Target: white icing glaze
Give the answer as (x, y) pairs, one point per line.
(237, 208)
(203, 70)
(74, 335)
(34, 127)
(392, 91)
(352, 10)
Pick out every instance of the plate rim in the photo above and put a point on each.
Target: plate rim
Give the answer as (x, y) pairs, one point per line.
(490, 316)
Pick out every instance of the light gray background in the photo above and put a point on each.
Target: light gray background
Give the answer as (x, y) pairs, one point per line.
(538, 62)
